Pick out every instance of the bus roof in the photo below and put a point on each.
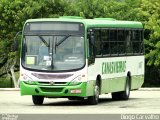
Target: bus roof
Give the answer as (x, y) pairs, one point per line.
(94, 23)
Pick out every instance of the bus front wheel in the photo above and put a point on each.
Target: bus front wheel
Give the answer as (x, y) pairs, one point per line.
(93, 100)
(37, 100)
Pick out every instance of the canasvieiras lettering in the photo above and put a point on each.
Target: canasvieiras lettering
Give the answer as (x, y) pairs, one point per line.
(113, 67)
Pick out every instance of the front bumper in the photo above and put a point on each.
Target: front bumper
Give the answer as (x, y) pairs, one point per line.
(53, 90)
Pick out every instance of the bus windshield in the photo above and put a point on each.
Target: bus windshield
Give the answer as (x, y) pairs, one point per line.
(53, 52)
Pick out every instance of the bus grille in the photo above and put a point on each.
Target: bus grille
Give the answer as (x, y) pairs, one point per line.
(55, 83)
(51, 89)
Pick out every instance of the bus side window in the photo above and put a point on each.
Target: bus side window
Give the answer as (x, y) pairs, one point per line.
(129, 48)
(141, 43)
(98, 42)
(105, 41)
(136, 40)
(121, 42)
(113, 42)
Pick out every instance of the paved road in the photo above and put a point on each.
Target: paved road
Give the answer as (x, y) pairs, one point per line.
(140, 102)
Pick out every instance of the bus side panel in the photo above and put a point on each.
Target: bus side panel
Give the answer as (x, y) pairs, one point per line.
(113, 73)
(90, 88)
(105, 88)
(117, 84)
(135, 65)
(137, 81)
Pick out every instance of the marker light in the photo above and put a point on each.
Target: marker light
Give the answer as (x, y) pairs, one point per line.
(27, 79)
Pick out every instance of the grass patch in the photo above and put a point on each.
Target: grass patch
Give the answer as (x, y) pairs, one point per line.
(6, 81)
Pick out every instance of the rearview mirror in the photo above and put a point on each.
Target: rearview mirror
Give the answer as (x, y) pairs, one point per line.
(91, 36)
(91, 40)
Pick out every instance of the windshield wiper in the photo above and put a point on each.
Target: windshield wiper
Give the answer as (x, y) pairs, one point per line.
(43, 40)
(62, 40)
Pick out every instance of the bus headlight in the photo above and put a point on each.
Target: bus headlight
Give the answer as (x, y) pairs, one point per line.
(76, 81)
(27, 79)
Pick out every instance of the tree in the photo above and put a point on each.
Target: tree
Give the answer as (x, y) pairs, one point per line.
(13, 15)
(152, 24)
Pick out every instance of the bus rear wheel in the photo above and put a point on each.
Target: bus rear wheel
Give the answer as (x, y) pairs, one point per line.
(93, 100)
(37, 100)
(124, 95)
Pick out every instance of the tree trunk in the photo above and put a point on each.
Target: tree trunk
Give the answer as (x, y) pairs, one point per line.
(13, 77)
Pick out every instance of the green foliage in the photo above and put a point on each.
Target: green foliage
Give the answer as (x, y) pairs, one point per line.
(153, 25)
(6, 82)
(13, 14)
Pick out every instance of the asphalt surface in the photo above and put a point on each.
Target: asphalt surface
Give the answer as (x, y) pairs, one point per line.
(141, 102)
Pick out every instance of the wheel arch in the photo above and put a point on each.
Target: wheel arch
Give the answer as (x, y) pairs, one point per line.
(129, 75)
(99, 81)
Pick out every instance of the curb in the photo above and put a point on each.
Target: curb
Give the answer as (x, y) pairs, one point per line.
(149, 89)
(9, 89)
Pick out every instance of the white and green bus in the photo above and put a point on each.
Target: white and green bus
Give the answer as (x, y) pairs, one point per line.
(76, 58)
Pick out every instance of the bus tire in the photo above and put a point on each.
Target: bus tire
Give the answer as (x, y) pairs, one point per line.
(37, 100)
(93, 100)
(124, 95)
